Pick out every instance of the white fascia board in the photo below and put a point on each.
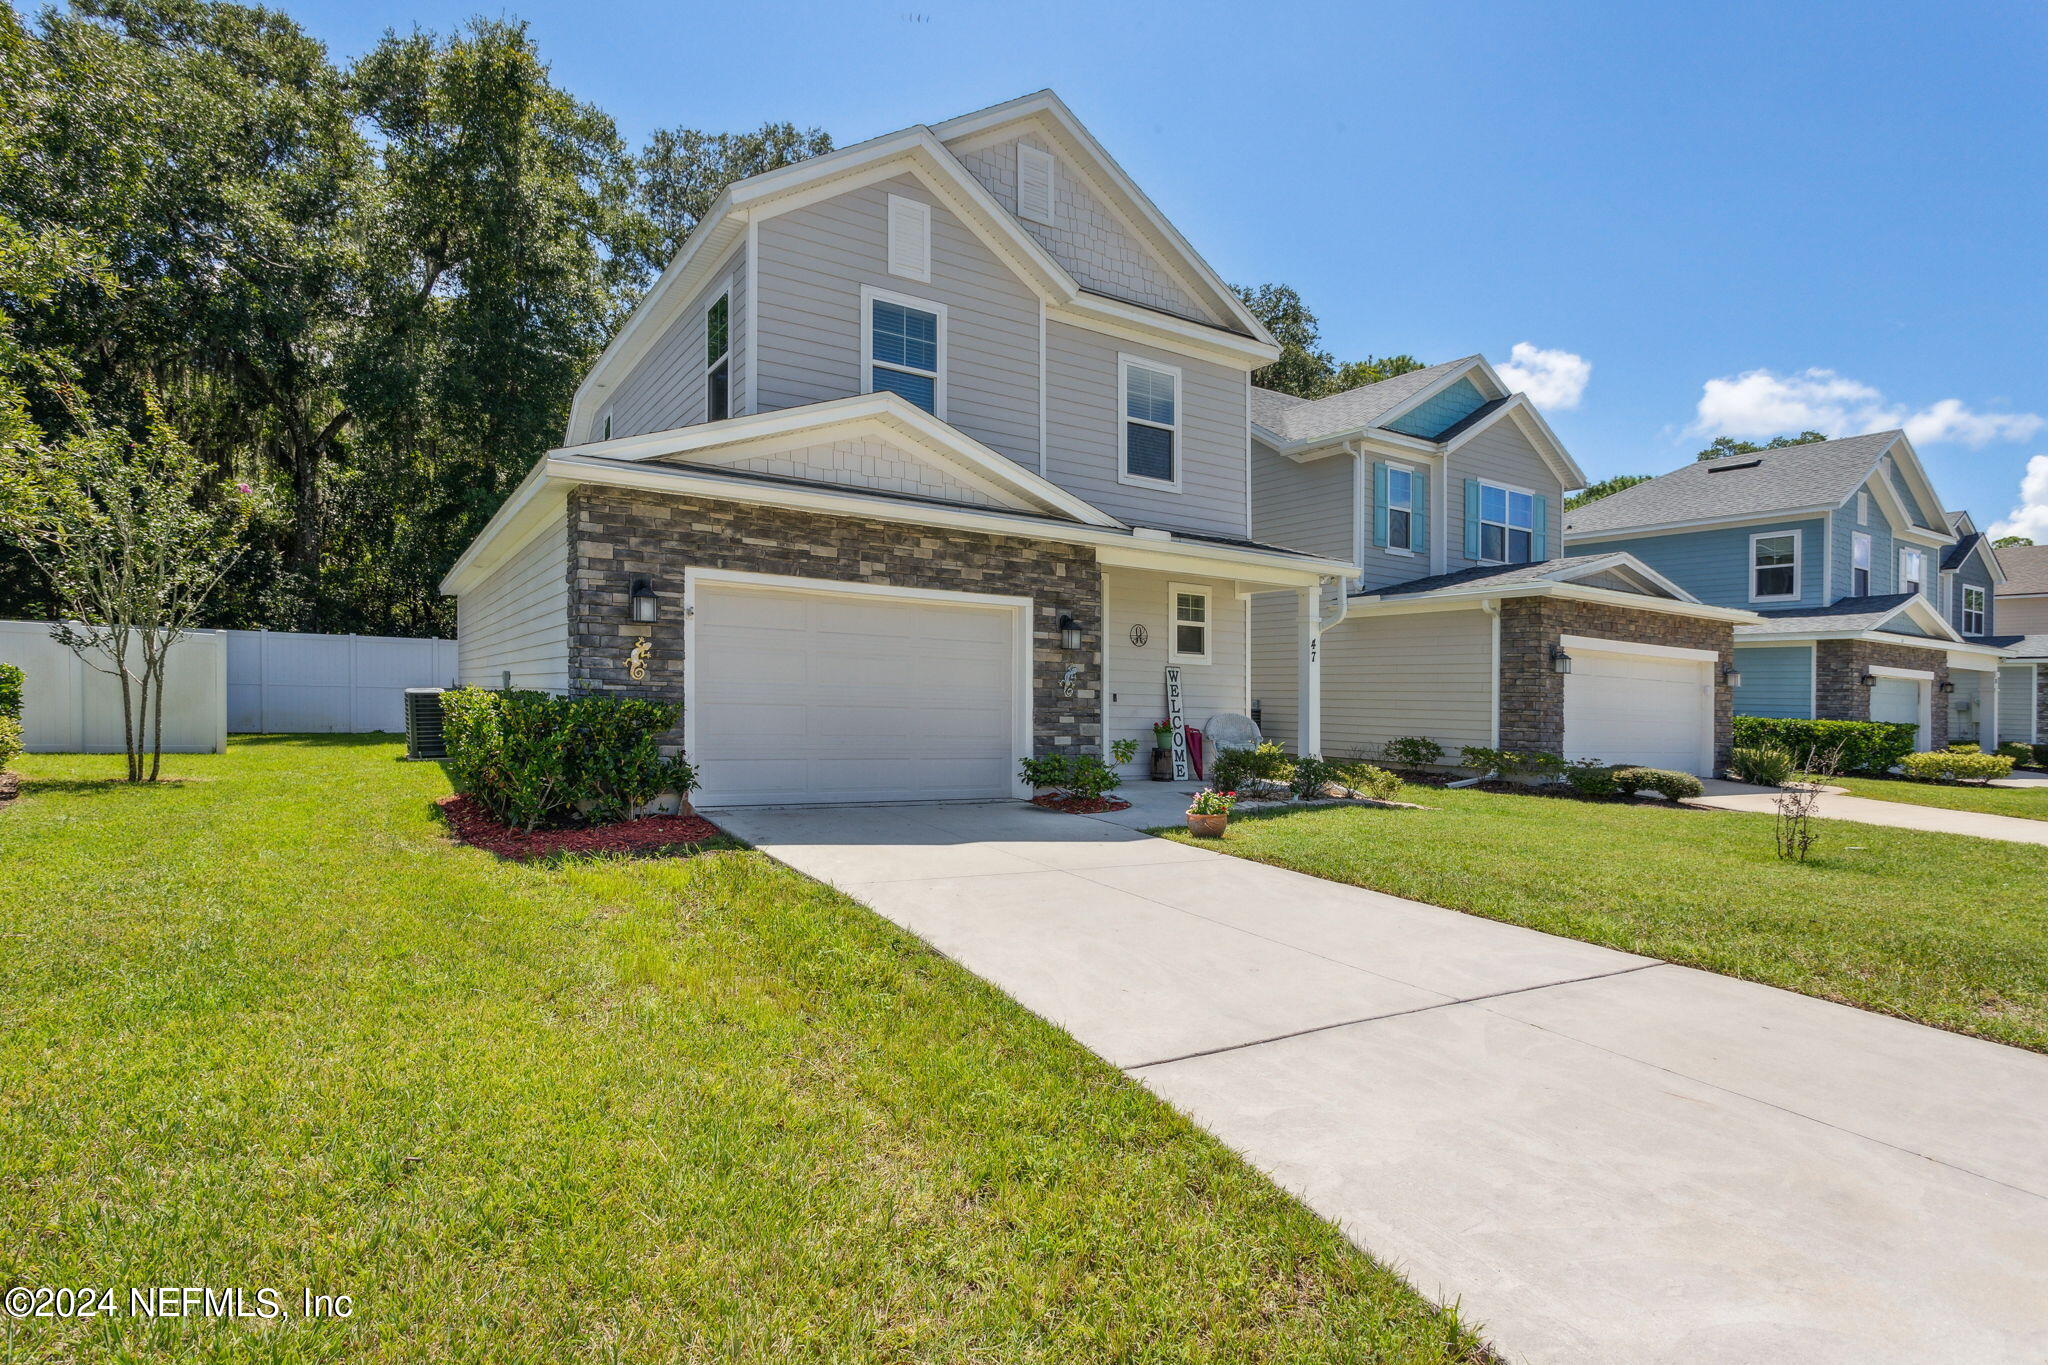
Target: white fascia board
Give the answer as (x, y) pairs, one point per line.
(1149, 326)
(1621, 559)
(820, 420)
(531, 503)
(1575, 592)
(1916, 474)
(1975, 660)
(1045, 105)
(1926, 614)
(1668, 527)
(1114, 545)
(1903, 525)
(1370, 439)
(1437, 386)
(1539, 433)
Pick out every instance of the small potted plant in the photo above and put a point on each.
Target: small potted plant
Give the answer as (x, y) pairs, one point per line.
(1210, 813)
(1162, 734)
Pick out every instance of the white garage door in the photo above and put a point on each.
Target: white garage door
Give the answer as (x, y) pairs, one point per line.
(802, 696)
(1653, 711)
(1896, 700)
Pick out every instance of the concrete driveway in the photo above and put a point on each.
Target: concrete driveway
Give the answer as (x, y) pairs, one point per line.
(1602, 1157)
(1837, 804)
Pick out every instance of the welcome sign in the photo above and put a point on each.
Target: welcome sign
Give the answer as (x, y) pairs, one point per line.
(1182, 769)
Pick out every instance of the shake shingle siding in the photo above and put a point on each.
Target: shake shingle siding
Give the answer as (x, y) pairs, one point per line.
(814, 261)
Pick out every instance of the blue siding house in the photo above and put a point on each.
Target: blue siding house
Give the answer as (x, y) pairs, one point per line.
(1872, 602)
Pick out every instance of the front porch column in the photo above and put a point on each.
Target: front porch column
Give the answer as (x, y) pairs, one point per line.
(1309, 679)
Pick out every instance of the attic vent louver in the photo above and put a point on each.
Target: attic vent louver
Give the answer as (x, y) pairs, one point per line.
(1724, 468)
(1034, 184)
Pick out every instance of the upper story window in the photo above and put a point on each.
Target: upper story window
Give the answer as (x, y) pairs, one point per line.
(718, 359)
(1859, 565)
(1400, 503)
(1151, 422)
(1973, 611)
(1863, 509)
(1912, 570)
(906, 349)
(1190, 612)
(1507, 524)
(1774, 566)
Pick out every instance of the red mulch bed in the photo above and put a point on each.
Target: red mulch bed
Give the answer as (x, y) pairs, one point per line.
(1079, 805)
(474, 826)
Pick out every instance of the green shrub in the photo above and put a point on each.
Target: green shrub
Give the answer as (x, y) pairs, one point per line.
(1079, 775)
(1509, 763)
(2021, 754)
(1591, 777)
(1866, 746)
(1311, 774)
(1966, 746)
(2041, 755)
(1766, 765)
(1412, 751)
(1234, 769)
(1549, 767)
(536, 760)
(1674, 786)
(10, 741)
(1955, 765)
(1370, 780)
(11, 678)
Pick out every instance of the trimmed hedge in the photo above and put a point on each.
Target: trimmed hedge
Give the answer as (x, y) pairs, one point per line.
(538, 761)
(1956, 765)
(10, 741)
(1867, 746)
(11, 679)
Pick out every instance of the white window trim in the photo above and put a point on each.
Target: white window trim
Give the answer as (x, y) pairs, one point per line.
(1173, 650)
(921, 210)
(1124, 362)
(1905, 550)
(1028, 153)
(1798, 565)
(1505, 527)
(1413, 474)
(725, 293)
(869, 297)
(1860, 540)
(1982, 612)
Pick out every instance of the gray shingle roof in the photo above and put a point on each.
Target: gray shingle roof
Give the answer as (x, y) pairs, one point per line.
(1823, 474)
(1494, 574)
(1960, 551)
(2026, 569)
(1302, 419)
(1847, 613)
(2021, 646)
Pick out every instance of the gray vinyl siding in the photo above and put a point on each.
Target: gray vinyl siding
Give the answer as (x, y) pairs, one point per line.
(517, 620)
(1777, 680)
(1713, 564)
(1134, 677)
(1085, 443)
(1429, 674)
(1085, 236)
(812, 347)
(2017, 704)
(1500, 454)
(666, 389)
(1308, 507)
(1974, 573)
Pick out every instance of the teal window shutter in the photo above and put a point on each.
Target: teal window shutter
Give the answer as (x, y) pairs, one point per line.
(1379, 504)
(1418, 525)
(1540, 541)
(1471, 518)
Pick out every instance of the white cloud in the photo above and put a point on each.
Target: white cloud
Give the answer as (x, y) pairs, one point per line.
(2029, 517)
(1761, 403)
(1552, 379)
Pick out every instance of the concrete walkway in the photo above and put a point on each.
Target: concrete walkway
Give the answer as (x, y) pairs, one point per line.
(1837, 804)
(1601, 1157)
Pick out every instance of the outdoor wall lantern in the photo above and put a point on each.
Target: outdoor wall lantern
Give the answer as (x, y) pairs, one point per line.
(1732, 676)
(1868, 680)
(1070, 633)
(1947, 687)
(1560, 662)
(644, 602)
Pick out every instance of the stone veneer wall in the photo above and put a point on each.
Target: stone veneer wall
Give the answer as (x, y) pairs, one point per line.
(1532, 695)
(1838, 693)
(618, 534)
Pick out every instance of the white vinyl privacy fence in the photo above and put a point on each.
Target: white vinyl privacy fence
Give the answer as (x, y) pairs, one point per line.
(250, 681)
(68, 706)
(280, 682)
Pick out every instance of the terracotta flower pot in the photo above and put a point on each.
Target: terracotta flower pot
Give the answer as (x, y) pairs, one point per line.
(1207, 826)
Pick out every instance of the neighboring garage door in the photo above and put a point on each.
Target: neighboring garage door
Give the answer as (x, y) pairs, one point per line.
(1896, 700)
(837, 695)
(1651, 710)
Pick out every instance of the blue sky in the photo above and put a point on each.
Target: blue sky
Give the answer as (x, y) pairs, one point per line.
(1741, 217)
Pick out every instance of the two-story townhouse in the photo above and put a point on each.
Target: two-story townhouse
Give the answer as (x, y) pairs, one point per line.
(1462, 625)
(2021, 601)
(1842, 549)
(921, 457)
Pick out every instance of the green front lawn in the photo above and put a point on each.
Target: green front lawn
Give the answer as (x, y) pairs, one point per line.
(1945, 929)
(2029, 803)
(268, 1028)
